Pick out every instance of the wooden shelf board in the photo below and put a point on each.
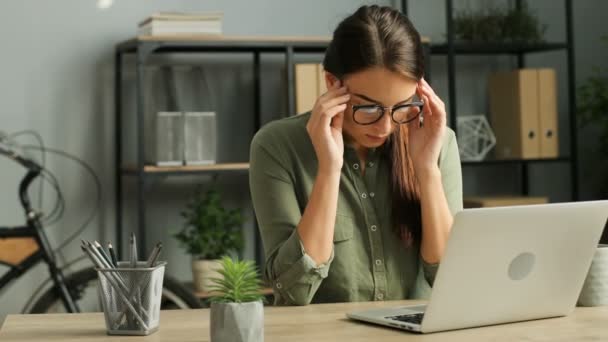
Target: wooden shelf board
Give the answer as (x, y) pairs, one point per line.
(190, 168)
(515, 161)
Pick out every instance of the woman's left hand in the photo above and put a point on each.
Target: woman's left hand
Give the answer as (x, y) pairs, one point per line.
(425, 142)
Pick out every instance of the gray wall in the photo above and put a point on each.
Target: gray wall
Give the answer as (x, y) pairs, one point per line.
(57, 79)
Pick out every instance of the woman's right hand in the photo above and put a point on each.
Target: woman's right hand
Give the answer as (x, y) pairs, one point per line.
(325, 128)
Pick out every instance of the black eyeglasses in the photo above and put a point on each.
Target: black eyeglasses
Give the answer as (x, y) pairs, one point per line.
(400, 114)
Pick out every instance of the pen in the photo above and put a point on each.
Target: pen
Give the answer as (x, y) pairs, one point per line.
(112, 254)
(133, 251)
(119, 291)
(134, 277)
(103, 253)
(154, 255)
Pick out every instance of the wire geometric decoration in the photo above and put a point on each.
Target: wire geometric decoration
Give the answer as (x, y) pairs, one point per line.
(475, 137)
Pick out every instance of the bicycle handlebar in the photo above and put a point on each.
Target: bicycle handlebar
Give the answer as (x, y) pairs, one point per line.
(27, 163)
(34, 170)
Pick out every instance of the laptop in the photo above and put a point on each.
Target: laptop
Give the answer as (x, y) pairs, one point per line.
(505, 265)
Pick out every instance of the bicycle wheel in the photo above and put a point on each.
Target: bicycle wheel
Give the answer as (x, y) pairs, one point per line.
(83, 287)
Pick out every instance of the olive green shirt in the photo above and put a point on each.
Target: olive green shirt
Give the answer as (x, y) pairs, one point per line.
(368, 261)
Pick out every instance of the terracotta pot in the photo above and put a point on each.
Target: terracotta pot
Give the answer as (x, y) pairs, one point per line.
(203, 271)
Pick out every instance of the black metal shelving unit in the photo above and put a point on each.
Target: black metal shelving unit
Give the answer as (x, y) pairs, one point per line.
(143, 48)
(451, 48)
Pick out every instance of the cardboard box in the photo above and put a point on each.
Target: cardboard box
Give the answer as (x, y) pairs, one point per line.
(501, 201)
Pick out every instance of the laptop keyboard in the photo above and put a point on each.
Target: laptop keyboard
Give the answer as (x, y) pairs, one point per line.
(410, 318)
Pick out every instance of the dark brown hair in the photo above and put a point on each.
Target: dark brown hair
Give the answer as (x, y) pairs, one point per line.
(377, 36)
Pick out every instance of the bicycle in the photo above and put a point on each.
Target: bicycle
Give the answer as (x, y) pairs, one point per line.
(23, 247)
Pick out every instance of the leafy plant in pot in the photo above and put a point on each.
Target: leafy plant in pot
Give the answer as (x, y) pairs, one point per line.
(210, 232)
(592, 99)
(237, 309)
(498, 24)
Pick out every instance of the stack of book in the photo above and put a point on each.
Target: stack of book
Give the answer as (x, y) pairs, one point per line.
(172, 23)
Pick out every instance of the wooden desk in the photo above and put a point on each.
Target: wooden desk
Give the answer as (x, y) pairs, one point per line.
(319, 323)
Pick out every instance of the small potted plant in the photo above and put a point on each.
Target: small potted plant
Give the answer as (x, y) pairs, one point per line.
(210, 231)
(237, 309)
(499, 25)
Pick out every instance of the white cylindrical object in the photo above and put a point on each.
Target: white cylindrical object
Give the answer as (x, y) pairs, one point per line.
(595, 289)
(169, 139)
(200, 138)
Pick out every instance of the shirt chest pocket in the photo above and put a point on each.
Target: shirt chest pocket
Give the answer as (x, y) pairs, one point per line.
(344, 228)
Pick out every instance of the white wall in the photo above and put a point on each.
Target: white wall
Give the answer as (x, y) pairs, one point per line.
(57, 79)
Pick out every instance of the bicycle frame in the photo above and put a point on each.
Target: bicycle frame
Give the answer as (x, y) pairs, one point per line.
(33, 229)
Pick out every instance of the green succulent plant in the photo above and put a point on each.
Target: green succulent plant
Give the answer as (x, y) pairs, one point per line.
(240, 282)
(210, 230)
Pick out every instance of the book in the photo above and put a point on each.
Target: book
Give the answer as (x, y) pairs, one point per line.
(183, 16)
(166, 23)
(169, 27)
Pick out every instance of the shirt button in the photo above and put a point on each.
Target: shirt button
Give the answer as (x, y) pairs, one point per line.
(373, 228)
(279, 285)
(380, 296)
(378, 262)
(364, 195)
(371, 194)
(356, 166)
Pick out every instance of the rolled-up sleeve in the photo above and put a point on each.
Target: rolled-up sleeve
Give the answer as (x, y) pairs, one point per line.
(451, 178)
(294, 275)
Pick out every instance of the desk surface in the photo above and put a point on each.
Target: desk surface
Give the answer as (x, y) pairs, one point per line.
(324, 322)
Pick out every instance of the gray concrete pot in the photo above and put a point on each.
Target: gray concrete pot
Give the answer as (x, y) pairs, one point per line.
(237, 322)
(595, 289)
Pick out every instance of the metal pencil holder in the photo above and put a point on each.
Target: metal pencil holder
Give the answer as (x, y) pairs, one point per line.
(131, 297)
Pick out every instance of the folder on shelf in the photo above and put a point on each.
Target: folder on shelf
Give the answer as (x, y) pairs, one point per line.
(310, 84)
(514, 102)
(547, 111)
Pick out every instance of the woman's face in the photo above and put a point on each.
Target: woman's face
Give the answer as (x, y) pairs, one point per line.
(374, 86)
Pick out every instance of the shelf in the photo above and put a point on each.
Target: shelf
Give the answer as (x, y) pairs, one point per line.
(516, 161)
(221, 43)
(187, 169)
(495, 49)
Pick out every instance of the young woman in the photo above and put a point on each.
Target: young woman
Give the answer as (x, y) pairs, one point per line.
(354, 196)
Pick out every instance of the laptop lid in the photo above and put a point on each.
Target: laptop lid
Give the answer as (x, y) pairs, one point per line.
(514, 263)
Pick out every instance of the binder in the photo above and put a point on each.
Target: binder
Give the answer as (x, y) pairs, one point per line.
(547, 111)
(514, 113)
(310, 84)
